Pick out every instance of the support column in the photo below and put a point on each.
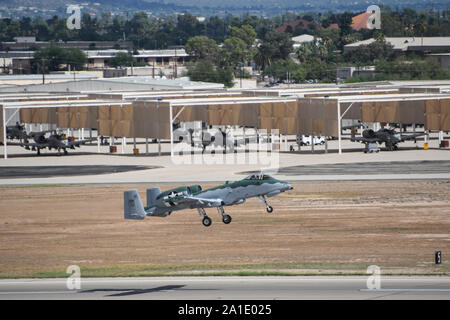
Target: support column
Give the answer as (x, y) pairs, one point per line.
(414, 132)
(245, 143)
(146, 146)
(5, 142)
(171, 134)
(339, 127)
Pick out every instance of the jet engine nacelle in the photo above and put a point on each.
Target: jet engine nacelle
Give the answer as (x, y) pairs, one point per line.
(240, 201)
(194, 189)
(368, 133)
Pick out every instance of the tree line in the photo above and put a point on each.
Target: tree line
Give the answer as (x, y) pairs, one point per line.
(221, 47)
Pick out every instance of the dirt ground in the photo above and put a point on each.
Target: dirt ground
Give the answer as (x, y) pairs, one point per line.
(317, 228)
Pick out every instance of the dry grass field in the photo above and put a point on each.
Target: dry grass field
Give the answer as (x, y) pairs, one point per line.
(317, 228)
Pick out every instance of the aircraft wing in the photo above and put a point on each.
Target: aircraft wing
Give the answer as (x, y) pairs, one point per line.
(77, 143)
(364, 140)
(207, 202)
(411, 136)
(198, 201)
(23, 144)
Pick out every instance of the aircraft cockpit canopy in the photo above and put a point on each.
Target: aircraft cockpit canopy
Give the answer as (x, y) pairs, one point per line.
(258, 177)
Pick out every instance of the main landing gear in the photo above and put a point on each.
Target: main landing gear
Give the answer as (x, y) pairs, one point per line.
(225, 217)
(207, 220)
(269, 209)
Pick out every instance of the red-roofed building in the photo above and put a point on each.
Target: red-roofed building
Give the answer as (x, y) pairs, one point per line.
(333, 26)
(360, 21)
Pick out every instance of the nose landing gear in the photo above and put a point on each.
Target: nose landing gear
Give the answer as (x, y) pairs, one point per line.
(269, 209)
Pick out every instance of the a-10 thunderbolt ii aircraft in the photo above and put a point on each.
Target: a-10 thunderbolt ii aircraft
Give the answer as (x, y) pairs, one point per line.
(53, 141)
(16, 132)
(161, 204)
(388, 136)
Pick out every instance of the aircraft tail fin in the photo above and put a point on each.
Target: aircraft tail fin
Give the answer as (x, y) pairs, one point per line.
(152, 193)
(132, 204)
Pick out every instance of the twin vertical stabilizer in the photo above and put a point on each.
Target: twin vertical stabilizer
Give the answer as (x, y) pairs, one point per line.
(133, 207)
(132, 204)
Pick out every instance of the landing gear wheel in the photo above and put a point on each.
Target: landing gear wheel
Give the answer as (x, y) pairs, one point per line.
(206, 221)
(226, 219)
(269, 209)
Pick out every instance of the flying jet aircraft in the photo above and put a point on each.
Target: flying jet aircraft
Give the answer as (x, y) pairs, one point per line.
(388, 136)
(161, 204)
(53, 141)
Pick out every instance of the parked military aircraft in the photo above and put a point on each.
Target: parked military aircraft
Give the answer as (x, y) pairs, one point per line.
(53, 141)
(388, 136)
(16, 132)
(208, 138)
(161, 204)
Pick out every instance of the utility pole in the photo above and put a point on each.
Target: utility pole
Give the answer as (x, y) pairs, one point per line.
(242, 68)
(132, 66)
(175, 67)
(153, 69)
(43, 70)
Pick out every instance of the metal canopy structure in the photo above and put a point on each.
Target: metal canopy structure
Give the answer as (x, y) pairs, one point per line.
(317, 117)
(151, 114)
(320, 92)
(167, 95)
(65, 114)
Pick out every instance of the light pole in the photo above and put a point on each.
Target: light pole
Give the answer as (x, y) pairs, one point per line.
(175, 59)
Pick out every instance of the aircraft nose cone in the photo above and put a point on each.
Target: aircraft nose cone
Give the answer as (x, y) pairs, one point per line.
(288, 187)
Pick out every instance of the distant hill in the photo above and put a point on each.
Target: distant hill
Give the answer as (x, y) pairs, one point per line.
(45, 8)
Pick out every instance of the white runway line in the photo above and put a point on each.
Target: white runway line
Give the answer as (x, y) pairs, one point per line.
(37, 292)
(404, 290)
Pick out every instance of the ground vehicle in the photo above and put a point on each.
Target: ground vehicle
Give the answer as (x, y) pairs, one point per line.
(371, 147)
(306, 140)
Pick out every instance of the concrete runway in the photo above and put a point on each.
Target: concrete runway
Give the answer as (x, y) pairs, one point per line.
(229, 288)
(65, 171)
(369, 168)
(164, 169)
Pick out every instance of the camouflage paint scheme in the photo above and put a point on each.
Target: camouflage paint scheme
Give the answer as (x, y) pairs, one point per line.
(161, 204)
